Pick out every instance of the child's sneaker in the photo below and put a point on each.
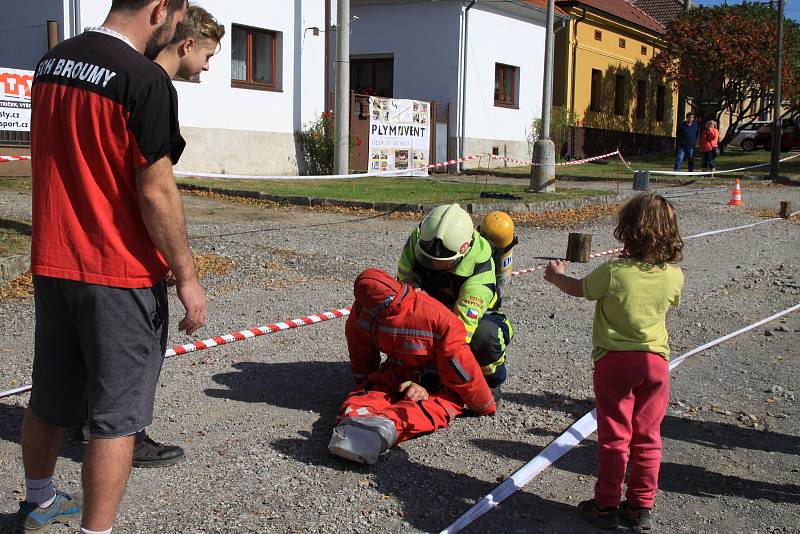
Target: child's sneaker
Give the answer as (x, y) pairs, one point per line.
(31, 518)
(638, 519)
(605, 518)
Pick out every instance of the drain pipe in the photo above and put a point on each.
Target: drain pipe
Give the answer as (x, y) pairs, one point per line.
(463, 135)
(574, 73)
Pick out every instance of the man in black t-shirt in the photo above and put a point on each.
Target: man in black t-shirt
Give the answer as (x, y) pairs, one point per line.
(108, 227)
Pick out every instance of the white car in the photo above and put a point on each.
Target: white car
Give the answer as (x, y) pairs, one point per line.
(745, 135)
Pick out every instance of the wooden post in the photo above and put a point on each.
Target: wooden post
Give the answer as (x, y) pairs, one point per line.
(52, 34)
(579, 247)
(786, 209)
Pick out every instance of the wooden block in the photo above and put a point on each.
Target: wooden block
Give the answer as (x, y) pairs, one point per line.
(579, 247)
(786, 209)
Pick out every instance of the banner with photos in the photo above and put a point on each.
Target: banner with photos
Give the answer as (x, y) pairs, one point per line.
(399, 135)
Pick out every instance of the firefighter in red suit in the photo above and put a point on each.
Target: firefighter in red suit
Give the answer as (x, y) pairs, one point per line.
(388, 405)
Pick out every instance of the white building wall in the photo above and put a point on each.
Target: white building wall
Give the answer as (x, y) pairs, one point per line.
(240, 130)
(423, 38)
(499, 37)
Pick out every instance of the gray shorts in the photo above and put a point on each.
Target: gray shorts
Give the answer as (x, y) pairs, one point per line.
(98, 354)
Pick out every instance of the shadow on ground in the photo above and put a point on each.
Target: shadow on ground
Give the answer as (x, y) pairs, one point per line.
(11, 426)
(677, 478)
(430, 497)
(712, 434)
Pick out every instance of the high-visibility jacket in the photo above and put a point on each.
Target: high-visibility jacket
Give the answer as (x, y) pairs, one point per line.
(415, 331)
(469, 288)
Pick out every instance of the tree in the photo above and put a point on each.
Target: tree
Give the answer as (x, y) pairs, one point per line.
(723, 58)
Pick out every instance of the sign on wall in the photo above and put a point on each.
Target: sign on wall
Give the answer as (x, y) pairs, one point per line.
(15, 99)
(399, 135)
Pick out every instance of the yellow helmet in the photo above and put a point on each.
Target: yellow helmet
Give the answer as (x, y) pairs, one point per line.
(445, 236)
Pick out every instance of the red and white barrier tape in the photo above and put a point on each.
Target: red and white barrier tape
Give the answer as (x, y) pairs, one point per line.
(563, 163)
(240, 335)
(257, 331)
(4, 159)
(591, 256)
(577, 432)
(411, 172)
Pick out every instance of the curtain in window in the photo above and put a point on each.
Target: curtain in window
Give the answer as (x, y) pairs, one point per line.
(239, 55)
(263, 44)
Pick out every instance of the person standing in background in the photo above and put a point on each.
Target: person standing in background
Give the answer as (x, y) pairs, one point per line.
(686, 140)
(709, 145)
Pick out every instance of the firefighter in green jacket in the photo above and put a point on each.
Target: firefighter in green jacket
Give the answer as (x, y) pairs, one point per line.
(451, 261)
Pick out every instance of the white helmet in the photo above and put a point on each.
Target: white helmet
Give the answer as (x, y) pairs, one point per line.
(445, 236)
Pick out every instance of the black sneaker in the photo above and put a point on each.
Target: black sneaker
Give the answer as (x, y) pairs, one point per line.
(637, 519)
(497, 394)
(149, 453)
(604, 518)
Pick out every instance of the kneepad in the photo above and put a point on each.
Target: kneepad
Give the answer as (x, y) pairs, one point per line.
(488, 345)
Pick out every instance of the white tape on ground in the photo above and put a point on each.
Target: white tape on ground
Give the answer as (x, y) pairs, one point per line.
(198, 345)
(723, 230)
(577, 432)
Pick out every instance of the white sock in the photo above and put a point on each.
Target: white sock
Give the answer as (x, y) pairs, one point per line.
(87, 531)
(40, 491)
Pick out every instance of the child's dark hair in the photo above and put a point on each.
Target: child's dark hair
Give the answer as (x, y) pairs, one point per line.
(648, 229)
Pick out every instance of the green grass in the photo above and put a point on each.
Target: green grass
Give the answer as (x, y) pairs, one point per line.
(731, 159)
(398, 190)
(15, 237)
(9, 182)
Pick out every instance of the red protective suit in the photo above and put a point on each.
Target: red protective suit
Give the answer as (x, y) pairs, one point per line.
(415, 331)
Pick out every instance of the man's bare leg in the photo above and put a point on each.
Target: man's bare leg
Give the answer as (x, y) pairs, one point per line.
(106, 468)
(41, 443)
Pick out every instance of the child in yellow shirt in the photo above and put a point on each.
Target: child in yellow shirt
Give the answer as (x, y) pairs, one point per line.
(630, 351)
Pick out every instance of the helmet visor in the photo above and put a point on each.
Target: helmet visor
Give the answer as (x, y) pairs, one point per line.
(433, 255)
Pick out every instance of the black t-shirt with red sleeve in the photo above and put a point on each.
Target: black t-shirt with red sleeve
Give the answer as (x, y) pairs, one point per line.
(100, 110)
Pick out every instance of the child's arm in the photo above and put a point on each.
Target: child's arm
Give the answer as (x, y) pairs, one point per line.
(554, 273)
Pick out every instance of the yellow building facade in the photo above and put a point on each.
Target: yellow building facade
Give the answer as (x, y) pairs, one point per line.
(601, 75)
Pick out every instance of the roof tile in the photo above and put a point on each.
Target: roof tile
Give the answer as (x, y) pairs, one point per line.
(625, 11)
(664, 11)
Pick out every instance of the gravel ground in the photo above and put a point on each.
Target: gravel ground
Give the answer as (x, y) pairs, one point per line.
(255, 417)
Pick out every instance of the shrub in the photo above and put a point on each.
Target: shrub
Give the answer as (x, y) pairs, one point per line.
(561, 123)
(316, 143)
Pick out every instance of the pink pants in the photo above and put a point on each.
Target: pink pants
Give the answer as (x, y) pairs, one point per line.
(631, 390)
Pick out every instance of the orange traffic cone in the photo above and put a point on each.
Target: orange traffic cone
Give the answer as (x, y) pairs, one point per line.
(736, 195)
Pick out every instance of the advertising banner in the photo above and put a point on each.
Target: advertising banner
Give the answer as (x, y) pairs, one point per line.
(399, 135)
(15, 99)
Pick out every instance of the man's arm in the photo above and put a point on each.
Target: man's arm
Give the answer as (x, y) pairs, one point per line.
(162, 212)
(459, 370)
(364, 356)
(474, 299)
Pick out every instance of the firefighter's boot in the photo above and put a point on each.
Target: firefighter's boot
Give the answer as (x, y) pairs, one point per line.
(362, 439)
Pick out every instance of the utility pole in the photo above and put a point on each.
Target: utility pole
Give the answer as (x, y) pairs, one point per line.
(777, 131)
(341, 114)
(543, 170)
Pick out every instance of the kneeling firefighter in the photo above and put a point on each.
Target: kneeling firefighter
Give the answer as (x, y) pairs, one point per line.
(388, 404)
(451, 261)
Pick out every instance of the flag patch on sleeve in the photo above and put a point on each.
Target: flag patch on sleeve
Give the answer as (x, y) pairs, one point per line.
(472, 314)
